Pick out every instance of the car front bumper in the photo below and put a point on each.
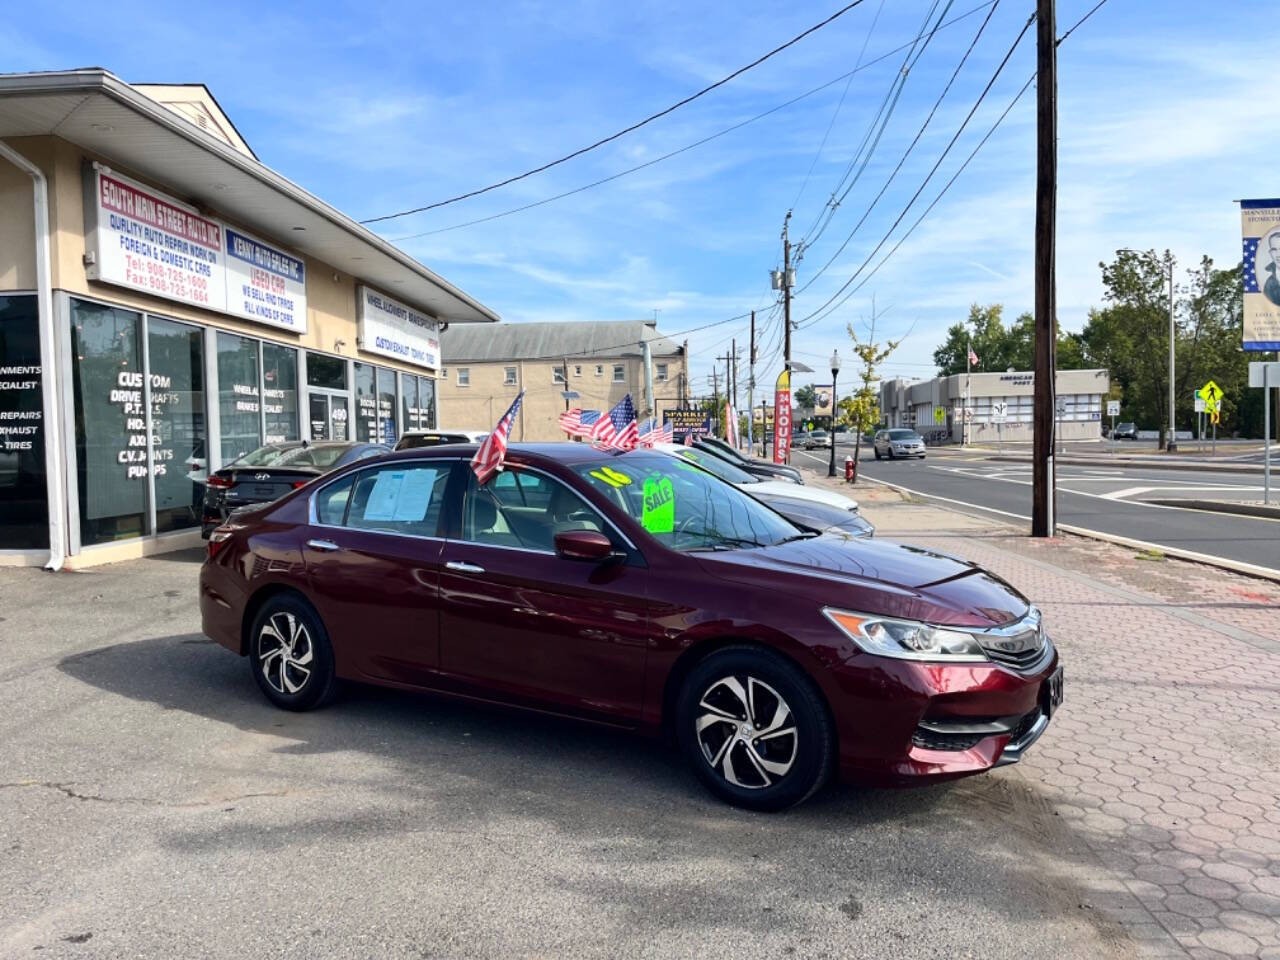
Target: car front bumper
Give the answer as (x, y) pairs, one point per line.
(904, 723)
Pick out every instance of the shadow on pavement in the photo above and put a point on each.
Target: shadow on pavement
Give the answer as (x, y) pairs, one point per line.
(989, 844)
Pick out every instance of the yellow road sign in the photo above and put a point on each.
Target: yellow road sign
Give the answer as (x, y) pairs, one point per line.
(939, 414)
(1213, 417)
(1211, 393)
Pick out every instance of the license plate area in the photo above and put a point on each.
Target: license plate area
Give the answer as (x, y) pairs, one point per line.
(1051, 693)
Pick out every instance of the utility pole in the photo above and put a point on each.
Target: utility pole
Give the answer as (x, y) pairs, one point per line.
(751, 387)
(564, 375)
(786, 292)
(1044, 487)
(684, 383)
(732, 390)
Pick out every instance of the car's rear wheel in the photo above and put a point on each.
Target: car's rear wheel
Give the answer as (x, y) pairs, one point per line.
(290, 654)
(755, 729)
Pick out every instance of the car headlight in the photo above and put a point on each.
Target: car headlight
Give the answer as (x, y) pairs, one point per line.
(906, 639)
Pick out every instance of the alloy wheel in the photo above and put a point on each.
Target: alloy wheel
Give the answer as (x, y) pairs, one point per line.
(285, 652)
(746, 732)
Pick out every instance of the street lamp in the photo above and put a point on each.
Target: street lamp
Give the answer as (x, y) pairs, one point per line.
(1171, 444)
(835, 370)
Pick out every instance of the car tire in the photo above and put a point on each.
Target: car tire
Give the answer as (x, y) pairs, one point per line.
(290, 654)
(891, 453)
(743, 689)
(877, 453)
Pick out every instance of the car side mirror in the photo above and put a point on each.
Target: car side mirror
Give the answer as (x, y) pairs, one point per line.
(590, 545)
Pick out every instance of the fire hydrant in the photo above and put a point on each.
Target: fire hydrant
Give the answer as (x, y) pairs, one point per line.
(849, 473)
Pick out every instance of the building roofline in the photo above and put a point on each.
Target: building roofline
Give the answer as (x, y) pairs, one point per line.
(96, 80)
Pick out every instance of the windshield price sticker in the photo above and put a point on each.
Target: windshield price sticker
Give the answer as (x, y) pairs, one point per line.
(615, 478)
(659, 505)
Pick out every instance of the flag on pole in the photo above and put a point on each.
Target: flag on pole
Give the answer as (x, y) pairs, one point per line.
(730, 425)
(973, 357)
(650, 432)
(571, 421)
(618, 428)
(688, 438)
(488, 459)
(587, 422)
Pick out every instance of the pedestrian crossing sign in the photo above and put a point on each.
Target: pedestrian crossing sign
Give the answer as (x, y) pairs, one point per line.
(1211, 394)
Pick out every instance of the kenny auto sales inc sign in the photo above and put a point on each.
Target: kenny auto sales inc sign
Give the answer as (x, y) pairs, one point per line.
(150, 242)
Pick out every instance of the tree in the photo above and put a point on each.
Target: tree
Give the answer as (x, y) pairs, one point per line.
(806, 396)
(862, 407)
(997, 347)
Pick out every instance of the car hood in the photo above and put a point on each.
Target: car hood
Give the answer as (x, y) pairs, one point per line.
(794, 491)
(877, 577)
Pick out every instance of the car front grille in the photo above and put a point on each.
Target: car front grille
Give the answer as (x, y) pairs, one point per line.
(963, 734)
(1024, 646)
(937, 740)
(1023, 727)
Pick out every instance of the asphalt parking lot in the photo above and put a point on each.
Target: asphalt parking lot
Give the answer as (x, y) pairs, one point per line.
(153, 805)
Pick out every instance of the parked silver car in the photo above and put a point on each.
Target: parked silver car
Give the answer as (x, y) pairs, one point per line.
(898, 442)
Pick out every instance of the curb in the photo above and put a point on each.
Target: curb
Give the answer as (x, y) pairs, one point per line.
(1250, 468)
(1222, 506)
(1235, 566)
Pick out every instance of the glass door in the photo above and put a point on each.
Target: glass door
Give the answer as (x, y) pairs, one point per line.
(328, 416)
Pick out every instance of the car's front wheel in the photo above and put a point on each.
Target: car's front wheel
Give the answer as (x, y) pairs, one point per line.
(755, 729)
(290, 655)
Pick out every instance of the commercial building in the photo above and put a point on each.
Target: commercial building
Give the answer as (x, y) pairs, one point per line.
(1000, 405)
(600, 362)
(167, 303)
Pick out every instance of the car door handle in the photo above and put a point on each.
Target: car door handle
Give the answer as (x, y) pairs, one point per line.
(463, 567)
(325, 546)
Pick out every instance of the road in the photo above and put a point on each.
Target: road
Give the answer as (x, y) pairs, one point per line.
(1110, 500)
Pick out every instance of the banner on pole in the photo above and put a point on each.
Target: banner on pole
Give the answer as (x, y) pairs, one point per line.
(782, 418)
(1260, 230)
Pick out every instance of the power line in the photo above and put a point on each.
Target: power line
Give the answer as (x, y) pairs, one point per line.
(910, 147)
(947, 186)
(879, 123)
(839, 105)
(623, 132)
(697, 143)
(905, 210)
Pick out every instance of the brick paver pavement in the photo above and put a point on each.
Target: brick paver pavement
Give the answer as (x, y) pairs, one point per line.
(1166, 756)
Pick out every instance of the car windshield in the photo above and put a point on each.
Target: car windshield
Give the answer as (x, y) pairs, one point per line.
(818, 433)
(322, 456)
(685, 507)
(263, 456)
(723, 469)
(412, 441)
(903, 435)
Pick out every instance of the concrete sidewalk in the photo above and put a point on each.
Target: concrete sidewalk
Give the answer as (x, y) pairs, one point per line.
(1165, 756)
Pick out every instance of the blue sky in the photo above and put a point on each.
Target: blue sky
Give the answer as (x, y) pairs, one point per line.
(375, 107)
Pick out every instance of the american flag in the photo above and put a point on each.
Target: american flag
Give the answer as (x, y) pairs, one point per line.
(488, 459)
(1251, 264)
(730, 425)
(652, 432)
(618, 429)
(973, 357)
(571, 421)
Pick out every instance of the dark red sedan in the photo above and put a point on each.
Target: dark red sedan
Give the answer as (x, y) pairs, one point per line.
(637, 590)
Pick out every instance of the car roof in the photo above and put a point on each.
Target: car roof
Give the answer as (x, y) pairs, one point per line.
(565, 452)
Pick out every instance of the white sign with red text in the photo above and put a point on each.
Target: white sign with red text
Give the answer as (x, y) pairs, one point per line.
(265, 284)
(152, 243)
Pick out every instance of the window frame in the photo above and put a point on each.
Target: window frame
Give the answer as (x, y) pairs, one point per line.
(464, 377)
(619, 373)
(660, 372)
(510, 376)
(313, 519)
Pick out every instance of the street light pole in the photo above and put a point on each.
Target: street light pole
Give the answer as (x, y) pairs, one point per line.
(835, 370)
(1172, 445)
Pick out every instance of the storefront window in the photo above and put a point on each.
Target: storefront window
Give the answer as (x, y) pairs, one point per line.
(366, 404)
(409, 401)
(110, 412)
(280, 392)
(327, 372)
(427, 403)
(175, 352)
(387, 406)
(240, 417)
(24, 504)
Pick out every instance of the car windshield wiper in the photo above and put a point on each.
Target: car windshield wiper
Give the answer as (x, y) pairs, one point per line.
(802, 535)
(722, 542)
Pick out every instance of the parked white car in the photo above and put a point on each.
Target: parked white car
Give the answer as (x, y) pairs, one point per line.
(809, 505)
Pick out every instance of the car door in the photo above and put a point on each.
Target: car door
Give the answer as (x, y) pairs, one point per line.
(518, 622)
(373, 555)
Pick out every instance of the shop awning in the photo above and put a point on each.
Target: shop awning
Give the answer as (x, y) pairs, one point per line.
(104, 115)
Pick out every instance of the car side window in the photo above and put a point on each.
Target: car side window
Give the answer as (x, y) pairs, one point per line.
(331, 501)
(519, 508)
(404, 498)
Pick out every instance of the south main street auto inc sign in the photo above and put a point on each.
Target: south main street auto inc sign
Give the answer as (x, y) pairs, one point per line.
(147, 241)
(392, 329)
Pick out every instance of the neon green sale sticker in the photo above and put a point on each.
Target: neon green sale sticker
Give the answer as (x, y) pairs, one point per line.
(659, 505)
